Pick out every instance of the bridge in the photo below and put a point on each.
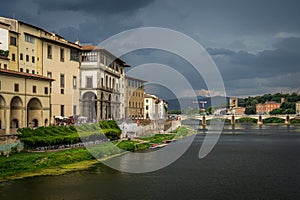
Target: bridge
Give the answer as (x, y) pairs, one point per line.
(233, 118)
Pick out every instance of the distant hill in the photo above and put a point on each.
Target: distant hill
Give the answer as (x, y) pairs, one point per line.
(190, 102)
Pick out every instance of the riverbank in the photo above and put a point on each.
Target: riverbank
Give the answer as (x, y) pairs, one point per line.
(23, 165)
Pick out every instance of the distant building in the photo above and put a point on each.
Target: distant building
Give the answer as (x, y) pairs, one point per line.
(155, 108)
(233, 102)
(266, 107)
(238, 111)
(134, 98)
(298, 107)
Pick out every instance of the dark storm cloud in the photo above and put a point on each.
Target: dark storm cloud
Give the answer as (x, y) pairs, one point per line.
(92, 6)
(255, 44)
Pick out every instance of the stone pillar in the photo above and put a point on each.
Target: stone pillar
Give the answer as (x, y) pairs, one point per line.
(98, 111)
(287, 120)
(260, 121)
(7, 120)
(203, 121)
(232, 122)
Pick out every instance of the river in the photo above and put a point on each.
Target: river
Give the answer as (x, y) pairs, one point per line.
(247, 163)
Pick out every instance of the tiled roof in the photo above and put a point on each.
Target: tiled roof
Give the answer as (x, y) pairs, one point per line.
(23, 74)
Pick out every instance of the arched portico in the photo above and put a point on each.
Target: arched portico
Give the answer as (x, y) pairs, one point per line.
(89, 106)
(16, 112)
(2, 113)
(34, 113)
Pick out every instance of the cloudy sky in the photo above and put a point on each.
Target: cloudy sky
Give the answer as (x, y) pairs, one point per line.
(255, 44)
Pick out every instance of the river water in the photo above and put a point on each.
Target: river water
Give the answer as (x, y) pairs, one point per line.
(247, 163)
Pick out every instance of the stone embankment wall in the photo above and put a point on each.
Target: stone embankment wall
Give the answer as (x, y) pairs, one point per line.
(10, 144)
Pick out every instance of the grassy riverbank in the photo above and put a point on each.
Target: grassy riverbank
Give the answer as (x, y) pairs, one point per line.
(59, 162)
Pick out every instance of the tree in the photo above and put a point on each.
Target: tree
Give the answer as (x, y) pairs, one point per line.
(250, 110)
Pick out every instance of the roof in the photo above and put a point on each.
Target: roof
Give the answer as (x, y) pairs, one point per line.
(23, 74)
(133, 78)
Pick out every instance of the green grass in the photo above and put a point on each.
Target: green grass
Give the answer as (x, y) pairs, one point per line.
(25, 162)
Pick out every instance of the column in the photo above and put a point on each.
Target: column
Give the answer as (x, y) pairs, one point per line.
(232, 120)
(287, 120)
(259, 121)
(203, 121)
(7, 120)
(98, 111)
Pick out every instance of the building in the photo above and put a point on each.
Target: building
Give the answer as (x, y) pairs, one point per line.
(298, 107)
(134, 98)
(33, 50)
(266, 107)
(24, 100)
(102, 85)
(238, 111)
(155, 108)
(233, 102)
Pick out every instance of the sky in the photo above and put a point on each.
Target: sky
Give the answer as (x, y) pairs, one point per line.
(255, 44)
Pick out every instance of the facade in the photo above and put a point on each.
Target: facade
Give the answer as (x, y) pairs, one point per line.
(24, 100)
(155, 108)
(102, 85)
(238, 111)
(134, 98)
(266, 107)
(33, 50)
(233, 102)
(298, 107)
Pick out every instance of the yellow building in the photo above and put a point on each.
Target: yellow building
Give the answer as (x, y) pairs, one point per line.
(33, 50)
(24, 100)
(134, 99)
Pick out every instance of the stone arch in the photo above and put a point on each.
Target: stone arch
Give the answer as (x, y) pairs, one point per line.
(89, 102)
(108, 107)
(34, 113)
(16, 112)
(2, 111)
(101, 105)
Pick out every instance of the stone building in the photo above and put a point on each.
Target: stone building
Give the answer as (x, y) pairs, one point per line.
(155, 108)
(134, 98)
(298, 107)
(24, 100)
(33, 50)
(266, 107)
(102, 89)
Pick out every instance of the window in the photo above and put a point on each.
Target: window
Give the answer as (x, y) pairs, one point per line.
(74, 55)
(21, 56)
(27, 70)
(89, 56)
(27, 58)
(33, 59)
(49, 74)
(62, 80)
(147, 107)
(146, 100)
(62, 55)
(89, 82)
(16, 87)
(74, 82)
(13, 41)
(49, 51)
(33, 72)
(5, 66)
(62, 91)
(21, 69)
(102, 58)
(13, 57)
(29, 38)
(34, 89)
(46, 90)
(62, 110)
